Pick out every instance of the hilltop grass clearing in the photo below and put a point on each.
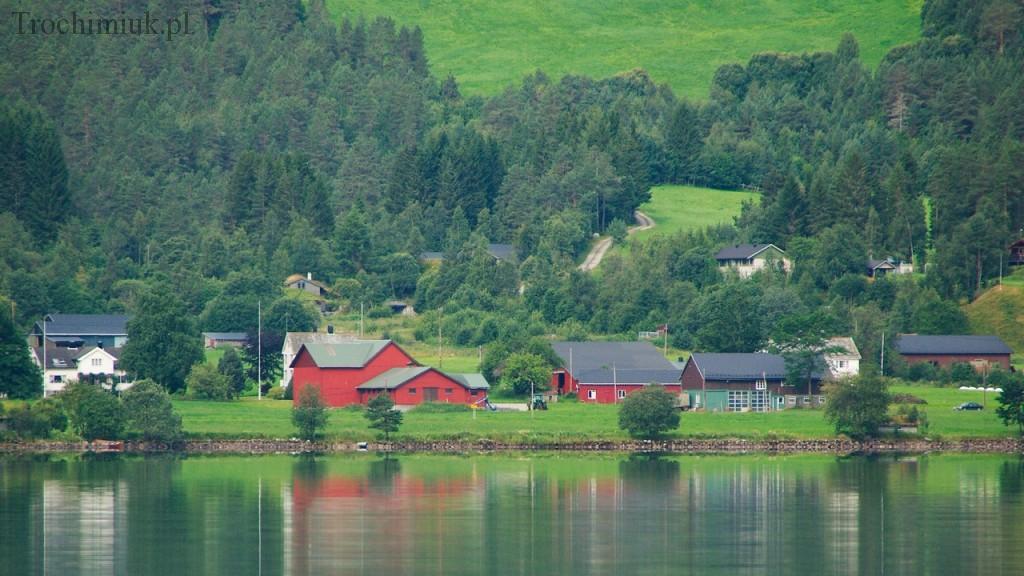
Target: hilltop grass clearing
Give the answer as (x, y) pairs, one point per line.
(489, 46)
(569, 421)
(677, 209)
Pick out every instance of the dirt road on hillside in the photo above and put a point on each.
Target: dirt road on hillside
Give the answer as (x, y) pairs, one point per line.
(596, 254)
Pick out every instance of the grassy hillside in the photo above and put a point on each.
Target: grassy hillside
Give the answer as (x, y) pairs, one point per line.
(1000, 311)
(490, 45)
(683, 208)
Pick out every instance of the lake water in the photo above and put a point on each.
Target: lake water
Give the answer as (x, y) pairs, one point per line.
(501, 514)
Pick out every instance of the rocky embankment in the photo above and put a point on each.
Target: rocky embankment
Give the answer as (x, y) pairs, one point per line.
(685, 446)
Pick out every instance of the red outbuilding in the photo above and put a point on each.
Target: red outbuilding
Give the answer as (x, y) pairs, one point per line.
(355, 371)
(606, 372)
(945, 350)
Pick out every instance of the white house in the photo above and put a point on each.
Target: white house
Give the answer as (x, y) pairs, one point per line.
(844, 360)
(306, 284)
(65, 365)
(746, 259)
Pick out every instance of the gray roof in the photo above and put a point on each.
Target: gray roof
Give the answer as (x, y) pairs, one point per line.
(616, 362)
(739, 366)
(743, 251)
(237, 336)
(876, 264)
(951, 344)
(351, 354)
(395, 377)
(61, 358)
(391, 379)
(498, 251)
(84, 325)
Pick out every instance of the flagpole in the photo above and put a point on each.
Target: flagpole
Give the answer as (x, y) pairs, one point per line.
(259, 349)
(615, 384)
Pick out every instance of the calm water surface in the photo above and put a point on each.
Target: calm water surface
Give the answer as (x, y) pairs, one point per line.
(496, 515)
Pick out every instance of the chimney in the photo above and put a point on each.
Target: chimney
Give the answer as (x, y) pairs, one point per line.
(309, 275)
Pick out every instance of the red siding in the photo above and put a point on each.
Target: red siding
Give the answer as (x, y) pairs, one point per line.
(692, 379)
(447, 390)
(569, 384)
(338, 385)
(947, 360)
(605, 393)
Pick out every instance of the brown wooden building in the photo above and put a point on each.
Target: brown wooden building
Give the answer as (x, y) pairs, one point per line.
(945, 350)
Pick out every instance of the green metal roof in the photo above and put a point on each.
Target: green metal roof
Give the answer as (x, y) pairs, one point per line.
(354, 354)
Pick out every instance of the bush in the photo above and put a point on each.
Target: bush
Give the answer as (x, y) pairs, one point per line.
(523, 368)
(380, 312)
(648, 412)
(150, 412)
(37, 420)
(93, 412)
(962, 373)
(207, 383)
(230, 366)
(907, 399)
(276, 393)
(922, 371)
(310, 414)
(858, 406)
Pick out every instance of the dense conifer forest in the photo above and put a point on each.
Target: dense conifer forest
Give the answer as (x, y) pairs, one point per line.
(273, 141)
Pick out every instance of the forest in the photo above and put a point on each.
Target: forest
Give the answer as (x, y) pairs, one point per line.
(273, 141)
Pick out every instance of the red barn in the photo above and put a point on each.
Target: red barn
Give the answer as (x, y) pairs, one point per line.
(944, 351)
(605, 372)
(355, 371)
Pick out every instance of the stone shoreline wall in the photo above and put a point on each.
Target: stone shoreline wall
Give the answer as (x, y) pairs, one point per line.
(686, 446)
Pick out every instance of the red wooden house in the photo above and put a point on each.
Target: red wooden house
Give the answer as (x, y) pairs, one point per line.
(945, 350)
(355, 371)
(605, 372)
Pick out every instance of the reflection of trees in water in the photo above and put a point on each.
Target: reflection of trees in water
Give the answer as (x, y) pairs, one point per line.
(649, 471)
(382, 474)
(1011, 477)
(309, 470)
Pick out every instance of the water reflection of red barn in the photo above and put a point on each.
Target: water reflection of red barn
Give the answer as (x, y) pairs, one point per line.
(334, 510)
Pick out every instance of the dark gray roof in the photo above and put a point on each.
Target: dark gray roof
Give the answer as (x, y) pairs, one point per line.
(498, 251)
(952, 344)
(875, 264)
(739, 366)
(84, 325)
(236, 336)
(743, 251)
(57, 358)
(610, 362)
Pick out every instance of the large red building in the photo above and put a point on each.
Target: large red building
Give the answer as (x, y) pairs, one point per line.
(355, 371)
(606, 372)
(945, 350)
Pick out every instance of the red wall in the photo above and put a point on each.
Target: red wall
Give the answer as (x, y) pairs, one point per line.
(432, 379)
(571, 384)
(338, 385)
(947, 360)
(606, 392)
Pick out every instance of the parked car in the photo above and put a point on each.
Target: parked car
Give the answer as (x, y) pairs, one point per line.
(970, 406)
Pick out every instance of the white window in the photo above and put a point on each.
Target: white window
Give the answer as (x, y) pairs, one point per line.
(56, 379)
(792, 400)
(739, 400)
(841, 363)
(622, 394)
(97, 361)
(591, 394)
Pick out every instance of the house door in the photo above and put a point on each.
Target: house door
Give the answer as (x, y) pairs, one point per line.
(430, 394)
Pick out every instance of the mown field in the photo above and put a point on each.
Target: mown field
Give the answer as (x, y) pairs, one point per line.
(491, 45)
(568, 421)
(684, 208)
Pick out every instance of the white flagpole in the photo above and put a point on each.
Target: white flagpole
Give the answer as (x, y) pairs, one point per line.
(259, 349)
(615, 384)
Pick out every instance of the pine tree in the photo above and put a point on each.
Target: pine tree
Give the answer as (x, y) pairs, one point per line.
(21, 379)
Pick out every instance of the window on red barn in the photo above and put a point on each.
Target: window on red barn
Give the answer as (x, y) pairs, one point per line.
(412, 390)
(591, 394)
(448, 390)
(622, 393)
(473, 392)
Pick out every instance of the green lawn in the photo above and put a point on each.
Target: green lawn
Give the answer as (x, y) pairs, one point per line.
(491, 45)
(684, 208)
(567, 421)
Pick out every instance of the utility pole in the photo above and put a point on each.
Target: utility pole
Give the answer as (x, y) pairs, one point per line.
(45, 316)
(259, 349)
(360, 320)
(440, 319)
(882, 368)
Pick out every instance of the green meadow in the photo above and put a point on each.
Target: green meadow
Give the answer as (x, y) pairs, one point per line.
(491, 45)
(570, 421)
(685, 208)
